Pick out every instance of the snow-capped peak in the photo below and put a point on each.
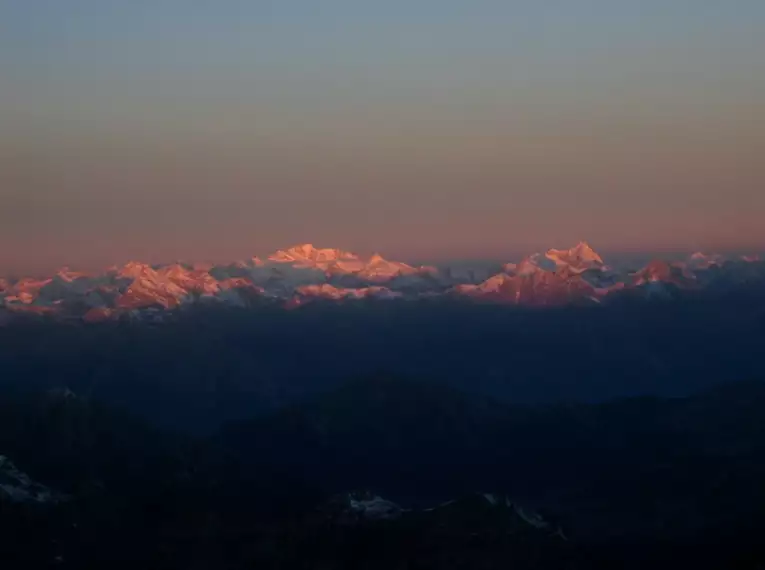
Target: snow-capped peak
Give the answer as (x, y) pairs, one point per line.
(134, 269)
(67, 275)
(308, 253)
(575, 260)
(578, 256)
(535, 262)
(304, 272)
(376, 259)
(701, 260)
(17, 487)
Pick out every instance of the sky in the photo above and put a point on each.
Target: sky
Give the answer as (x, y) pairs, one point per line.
(191, 129)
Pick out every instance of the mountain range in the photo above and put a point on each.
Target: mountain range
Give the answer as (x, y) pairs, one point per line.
(398, 409)
(304, 274)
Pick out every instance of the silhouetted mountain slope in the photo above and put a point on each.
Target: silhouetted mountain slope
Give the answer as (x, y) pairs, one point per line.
(210, 366)
(474, 531)
(641, 481)
(125, 484)
(626, 467)
(80, 445)
(373, 431)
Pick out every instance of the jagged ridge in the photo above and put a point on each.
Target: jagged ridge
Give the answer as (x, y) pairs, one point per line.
(305, 273)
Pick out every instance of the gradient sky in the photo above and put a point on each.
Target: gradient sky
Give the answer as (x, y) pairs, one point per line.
(165, 129)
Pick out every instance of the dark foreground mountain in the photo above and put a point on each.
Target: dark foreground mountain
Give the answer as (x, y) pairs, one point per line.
(647, 466)
(456, 481)
(361, 530)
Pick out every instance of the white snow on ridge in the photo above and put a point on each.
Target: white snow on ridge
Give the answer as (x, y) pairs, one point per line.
(17, 487)
(304, 272)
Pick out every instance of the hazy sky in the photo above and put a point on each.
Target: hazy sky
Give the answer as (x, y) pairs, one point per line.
(164, 129)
